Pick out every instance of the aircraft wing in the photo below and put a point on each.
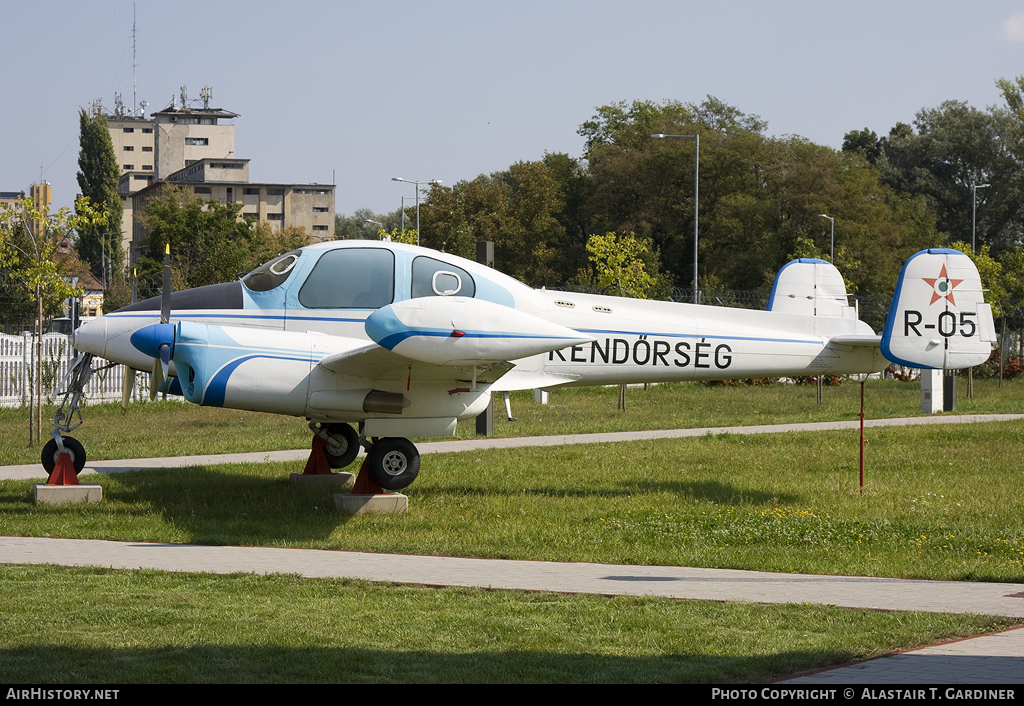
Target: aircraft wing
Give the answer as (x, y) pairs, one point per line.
(370, 361)
(373, 362)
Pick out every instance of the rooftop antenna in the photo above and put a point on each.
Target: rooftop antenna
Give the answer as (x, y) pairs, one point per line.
(135, 105)
(184, 96)
(207, 94)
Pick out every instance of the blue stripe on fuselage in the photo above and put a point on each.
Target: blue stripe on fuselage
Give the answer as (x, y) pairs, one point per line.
(765, 339)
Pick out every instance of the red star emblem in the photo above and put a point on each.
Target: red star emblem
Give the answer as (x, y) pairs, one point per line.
(942, 287)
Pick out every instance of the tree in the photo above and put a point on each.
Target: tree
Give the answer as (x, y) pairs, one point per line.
(865, 142)
(950, 149)
(356, 227)
(209, 242)
(97, 179)
(443, 224)
(515, 209)
(760, 197)
(396, 236)
(618, 263)
(32, 261)
(265, 242)
(991, 272)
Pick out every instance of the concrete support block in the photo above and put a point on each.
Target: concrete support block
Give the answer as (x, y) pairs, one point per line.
(931, 391)
(540, 396)
(381, 503)
(338, 481)
(60, 494)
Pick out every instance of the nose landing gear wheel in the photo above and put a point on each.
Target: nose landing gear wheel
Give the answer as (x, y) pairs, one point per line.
(393, 463)
(72, 446)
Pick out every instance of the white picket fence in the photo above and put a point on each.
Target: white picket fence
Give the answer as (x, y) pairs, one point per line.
(17, 370)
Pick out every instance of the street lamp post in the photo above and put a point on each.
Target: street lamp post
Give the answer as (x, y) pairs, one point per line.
(833, 223)
(106, 256)
(696, 192)
(974, 209)
(417, 183)
(380, 227)
(403, 210)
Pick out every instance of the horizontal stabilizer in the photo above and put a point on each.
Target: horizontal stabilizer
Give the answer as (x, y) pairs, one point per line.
(939, 318)
(528, 380)
(856, 341)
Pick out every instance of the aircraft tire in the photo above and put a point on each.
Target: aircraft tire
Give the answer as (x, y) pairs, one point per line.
(344, 451)
(393, 463)
(49, 455)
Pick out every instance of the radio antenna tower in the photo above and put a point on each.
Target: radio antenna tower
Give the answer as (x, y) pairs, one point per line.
(135, 106)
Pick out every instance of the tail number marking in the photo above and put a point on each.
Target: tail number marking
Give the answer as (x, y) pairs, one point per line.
(946, 324)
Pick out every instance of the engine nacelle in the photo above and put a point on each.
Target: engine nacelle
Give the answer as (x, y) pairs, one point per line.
(462, 331)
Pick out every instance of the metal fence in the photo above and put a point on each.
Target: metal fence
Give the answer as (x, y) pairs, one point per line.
(18, 365)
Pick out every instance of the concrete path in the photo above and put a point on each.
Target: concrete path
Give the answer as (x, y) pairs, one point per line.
(988, 659)
(563, 577)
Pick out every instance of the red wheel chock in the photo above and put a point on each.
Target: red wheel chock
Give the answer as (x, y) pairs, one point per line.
(364, 484)
(64, 471)
(317, 464)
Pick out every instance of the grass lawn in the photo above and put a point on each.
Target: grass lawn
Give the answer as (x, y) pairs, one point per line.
(62, 625)
(181, 429)
(941, 502)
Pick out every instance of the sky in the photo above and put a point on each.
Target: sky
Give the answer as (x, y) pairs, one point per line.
(360, 92)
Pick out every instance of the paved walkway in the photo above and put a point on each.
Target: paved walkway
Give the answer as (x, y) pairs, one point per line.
(988, 659)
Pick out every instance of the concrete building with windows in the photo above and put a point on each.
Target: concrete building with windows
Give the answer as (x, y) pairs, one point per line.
(41, 201)
(309, 206)
(11, 198)
(134, 142)
(193, 146)
(186, 135)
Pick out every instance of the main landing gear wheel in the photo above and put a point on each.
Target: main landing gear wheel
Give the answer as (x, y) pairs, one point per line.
(393, 463)
(72, 446)
(342, 446)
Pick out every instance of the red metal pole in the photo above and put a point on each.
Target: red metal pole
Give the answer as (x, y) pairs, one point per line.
(862, 435)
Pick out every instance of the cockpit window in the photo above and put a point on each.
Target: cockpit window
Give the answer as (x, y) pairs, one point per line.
(350, 278)
(433, 278)
(271, 274)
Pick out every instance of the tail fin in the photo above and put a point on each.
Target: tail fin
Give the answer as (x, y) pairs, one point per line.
(810, 287)
(938, 317)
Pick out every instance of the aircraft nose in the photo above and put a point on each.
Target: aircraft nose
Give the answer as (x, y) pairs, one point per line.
(91, 337)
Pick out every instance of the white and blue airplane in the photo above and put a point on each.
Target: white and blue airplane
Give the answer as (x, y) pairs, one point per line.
(377, 342)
